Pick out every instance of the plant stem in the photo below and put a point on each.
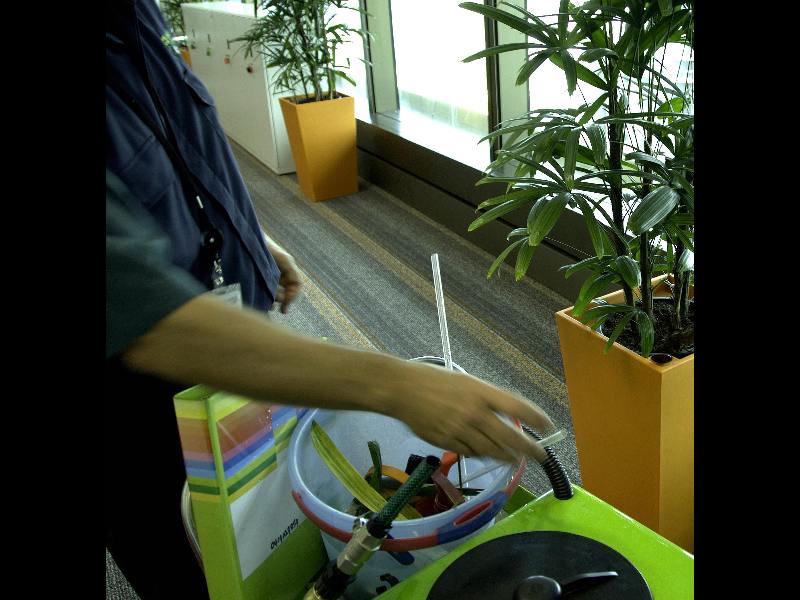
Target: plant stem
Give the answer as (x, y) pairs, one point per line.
(615, 188)
(684, 306)
(644, 244)
(644, 264)
(310, 58)
(678, 289)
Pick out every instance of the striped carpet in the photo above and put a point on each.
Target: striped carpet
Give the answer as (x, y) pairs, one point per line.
(365, 261)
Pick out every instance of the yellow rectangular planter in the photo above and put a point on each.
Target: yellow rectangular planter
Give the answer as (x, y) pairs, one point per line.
(634, 427)
(322, 136)
(186, 56)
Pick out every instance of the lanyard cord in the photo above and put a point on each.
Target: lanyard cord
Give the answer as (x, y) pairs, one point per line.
(211, 241)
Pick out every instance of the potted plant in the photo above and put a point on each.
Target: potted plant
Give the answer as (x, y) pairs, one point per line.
(625, 160)
(299, 39)
(173, 15)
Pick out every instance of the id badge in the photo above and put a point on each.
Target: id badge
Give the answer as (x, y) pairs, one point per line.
(230, 294)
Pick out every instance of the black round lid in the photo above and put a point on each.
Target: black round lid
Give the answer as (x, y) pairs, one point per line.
(517, 566)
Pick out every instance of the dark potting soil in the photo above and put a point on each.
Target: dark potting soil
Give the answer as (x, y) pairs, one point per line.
(677, 344)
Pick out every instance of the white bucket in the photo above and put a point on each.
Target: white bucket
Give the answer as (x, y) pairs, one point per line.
(414, 543)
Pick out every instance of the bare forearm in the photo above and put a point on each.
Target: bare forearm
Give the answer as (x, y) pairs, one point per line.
(208, 342)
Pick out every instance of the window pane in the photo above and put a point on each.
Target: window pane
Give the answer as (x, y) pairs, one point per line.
(350, 59)
(547, 88)
(442, 100)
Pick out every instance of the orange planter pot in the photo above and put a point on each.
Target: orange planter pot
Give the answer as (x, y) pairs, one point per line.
(322, 136)
(186, 56)
(634, 427)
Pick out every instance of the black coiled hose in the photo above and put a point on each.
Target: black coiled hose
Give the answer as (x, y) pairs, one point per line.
(562, 488)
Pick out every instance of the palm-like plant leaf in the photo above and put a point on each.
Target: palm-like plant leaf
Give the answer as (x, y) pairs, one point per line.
(544, 214)
(653, 209)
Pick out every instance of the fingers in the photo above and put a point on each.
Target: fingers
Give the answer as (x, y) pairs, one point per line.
(290, 292)
(524, 410)
(290, 282)
(504, 441)
(460, 412)
(500, 439)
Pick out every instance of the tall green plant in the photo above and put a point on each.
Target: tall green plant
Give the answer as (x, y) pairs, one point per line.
(629, 172)
(300, 39)
(173, 14)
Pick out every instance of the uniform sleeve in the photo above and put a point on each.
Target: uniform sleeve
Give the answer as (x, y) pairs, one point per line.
(142, 285)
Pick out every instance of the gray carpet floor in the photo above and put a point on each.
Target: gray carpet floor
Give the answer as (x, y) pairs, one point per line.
(365, 261)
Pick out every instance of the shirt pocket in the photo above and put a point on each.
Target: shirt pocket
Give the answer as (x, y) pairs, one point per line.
(198, 90)
(135, 155)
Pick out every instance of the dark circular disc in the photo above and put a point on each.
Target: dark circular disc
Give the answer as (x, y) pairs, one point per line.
(496, 568)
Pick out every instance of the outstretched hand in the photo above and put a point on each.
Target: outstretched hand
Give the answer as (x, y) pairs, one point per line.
(289, 283)
(459, 412)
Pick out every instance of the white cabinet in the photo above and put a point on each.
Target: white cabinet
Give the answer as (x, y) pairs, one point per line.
(248, 109)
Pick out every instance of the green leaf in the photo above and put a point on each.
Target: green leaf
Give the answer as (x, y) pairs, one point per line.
(665, 6)
(583, 73)
(594, 54)
(647, 158)
(602, 7)
(499, 15)
(643, 123)
(345, 76)
(348, 476)
(570, 70)
(613, 173)
(538, 28)
(592, 226)
(497, 211)
(678, 91)
(544, 214)
(563, 19)
(544, 148)
(597, 139)
(586, 263)
(592, 288)
(534, 63)
(681, 219)
(681, 235)
(646, 333)
(570, 150)
(517, 232)
(673, 105)
(618, 330)
(639, 115)
(499, 260)
(530, 193)
(523, 260)
(629, 270)
(538, 166)
(653, 209)
(500, 49)
(593, 108)
(686, 261)
(602, 311)
(687, 187)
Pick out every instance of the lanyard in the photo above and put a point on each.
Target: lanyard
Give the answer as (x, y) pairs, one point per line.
(211, 241)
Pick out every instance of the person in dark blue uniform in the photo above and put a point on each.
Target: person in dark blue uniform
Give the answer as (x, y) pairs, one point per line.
(165, 144)
(159, 322)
